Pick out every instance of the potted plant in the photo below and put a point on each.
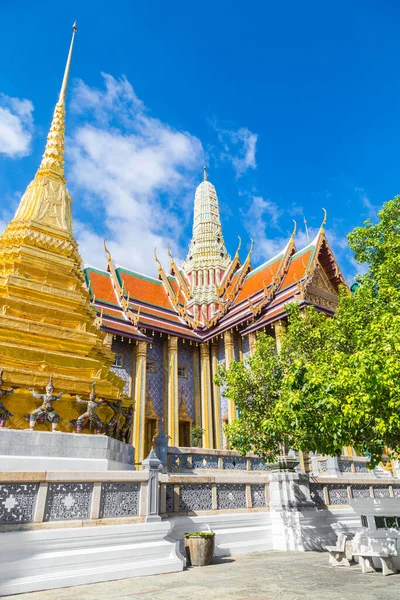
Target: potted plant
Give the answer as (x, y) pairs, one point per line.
(200, 547)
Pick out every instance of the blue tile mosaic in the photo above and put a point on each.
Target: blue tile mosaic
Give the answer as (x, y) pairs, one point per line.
(125, 349)
(186, 385)
(154, 381)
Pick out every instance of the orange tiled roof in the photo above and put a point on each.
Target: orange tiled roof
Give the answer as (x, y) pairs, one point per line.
(258, 278)
(101, 285)
(297, 267)
(145, 289)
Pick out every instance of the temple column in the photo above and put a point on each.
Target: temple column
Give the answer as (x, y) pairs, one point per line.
(280, 328)
(206, 395)
(216, 394)
(140, 401)
(252, 341)
(173, 398)
(196, 385)
(165, 386)
(229, 357)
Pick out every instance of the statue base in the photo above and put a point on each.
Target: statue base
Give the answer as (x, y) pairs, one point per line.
(25, 450)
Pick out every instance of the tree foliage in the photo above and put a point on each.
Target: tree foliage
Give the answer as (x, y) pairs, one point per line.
(336, 381)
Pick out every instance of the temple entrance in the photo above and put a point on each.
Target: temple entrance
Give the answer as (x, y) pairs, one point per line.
(150, 428)
(184, 433)
(185, 424)
(150, 424)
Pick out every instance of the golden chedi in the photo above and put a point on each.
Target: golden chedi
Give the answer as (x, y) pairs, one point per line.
(47, 323)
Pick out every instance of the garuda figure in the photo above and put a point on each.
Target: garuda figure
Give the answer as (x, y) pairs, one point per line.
(90, 415)
(46, 412)
(126, 431)
(115, 423)
(4, 413)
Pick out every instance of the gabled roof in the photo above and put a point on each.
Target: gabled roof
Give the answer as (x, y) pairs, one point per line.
(303, 269)
(143, 288)
(132, 303)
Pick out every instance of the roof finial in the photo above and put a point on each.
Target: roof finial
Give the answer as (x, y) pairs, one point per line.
(204, 173)
(294, 229)
(63, 91)
(324, 220)
(307, 233)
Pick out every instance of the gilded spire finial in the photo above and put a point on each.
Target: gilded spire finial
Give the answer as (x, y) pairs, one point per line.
(53, 158)
(294, 229)
(204, 173)
(46, 200)
(64, 85)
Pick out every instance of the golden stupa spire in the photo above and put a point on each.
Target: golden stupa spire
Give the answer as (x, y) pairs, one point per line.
(52, 163)
(46, 203)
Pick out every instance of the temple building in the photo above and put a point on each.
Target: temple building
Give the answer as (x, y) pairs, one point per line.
(171, 332)
(158, 341)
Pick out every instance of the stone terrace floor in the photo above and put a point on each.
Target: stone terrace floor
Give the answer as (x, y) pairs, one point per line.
(259, 576)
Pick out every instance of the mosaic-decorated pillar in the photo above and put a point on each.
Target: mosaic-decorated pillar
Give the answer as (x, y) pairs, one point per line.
(280, 328)
(229, 357)
(173, 396)
(252, 341)
(206, 396)
(216, 394)
(196, 386)
(140, 401)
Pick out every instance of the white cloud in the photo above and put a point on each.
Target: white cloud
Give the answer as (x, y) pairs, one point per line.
(371, 210)
(239, 148)
(270, 228)
(135, 172)
(16, 124)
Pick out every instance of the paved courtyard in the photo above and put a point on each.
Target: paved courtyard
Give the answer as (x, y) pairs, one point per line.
(260, 576)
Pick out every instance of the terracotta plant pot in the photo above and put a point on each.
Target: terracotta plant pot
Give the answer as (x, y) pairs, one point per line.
(201, 549)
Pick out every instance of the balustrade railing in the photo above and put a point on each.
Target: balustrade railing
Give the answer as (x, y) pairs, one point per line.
(187, 459)
(338, 492)
(185, 495)
(46, 497)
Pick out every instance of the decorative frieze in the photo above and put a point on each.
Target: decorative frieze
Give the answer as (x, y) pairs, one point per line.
(66, 501)
(234, 463)
(360, 491)
(381, 491)
(203, 461)
(361, 467)
(195, 497)
(337, 494)
(258, 499)
(317, 494)
(179, 461)
(119, 499)
(256, 464)
(231, 495)
(345, 466)
(17, 502)
(169, 498)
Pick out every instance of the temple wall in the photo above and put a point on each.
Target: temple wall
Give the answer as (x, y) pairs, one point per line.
(154, 381)
(221, 360)
(186, 384)
(124, 349)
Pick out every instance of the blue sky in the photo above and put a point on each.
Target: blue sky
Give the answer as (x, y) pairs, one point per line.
(293, 106)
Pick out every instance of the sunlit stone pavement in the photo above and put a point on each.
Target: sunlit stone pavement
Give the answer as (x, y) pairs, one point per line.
(260, 576)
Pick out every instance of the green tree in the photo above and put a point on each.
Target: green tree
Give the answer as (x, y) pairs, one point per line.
(336, 381)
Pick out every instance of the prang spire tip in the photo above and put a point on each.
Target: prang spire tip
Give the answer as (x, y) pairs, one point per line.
(63, 91)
